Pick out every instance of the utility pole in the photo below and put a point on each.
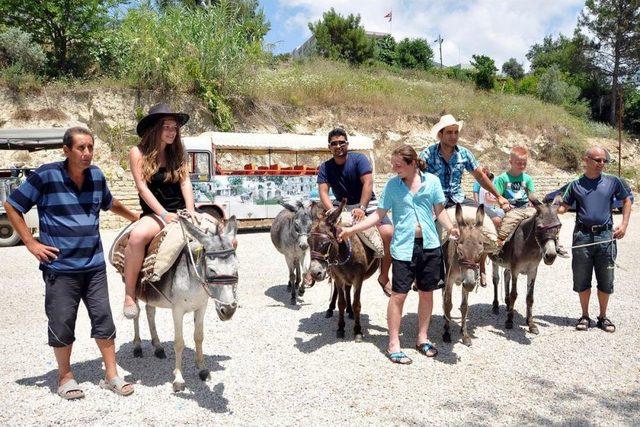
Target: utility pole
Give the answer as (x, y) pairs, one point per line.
(439, 41)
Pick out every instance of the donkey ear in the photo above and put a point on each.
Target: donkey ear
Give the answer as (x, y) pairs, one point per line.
(480, 216)
(333, 217)
(230, 227)
(289, 207)
(459, 218)
(192, 229)
(316, 210)
(557, 201)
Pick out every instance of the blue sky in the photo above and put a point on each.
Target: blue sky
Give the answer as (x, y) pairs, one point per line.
(499, 28)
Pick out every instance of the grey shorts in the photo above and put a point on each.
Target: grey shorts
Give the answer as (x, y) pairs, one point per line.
(63, 293)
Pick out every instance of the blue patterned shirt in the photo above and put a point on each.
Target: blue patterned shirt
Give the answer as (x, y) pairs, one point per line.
(68, 215)
(449, 173)
(408, 208)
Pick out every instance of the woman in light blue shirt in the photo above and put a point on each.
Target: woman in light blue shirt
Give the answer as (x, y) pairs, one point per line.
(412, 197)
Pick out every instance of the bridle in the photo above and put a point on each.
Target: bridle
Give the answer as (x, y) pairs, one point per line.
(546, 232)
(215, 279)
(325, 239)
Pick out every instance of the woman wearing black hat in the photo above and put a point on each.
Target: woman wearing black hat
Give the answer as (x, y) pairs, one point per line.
(161, 176)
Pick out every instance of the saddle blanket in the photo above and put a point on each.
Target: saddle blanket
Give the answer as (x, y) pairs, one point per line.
(164, 249)
(469, 213)
(370, 237)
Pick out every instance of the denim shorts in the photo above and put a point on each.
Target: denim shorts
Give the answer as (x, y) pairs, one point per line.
(599, 258)
(63, 293)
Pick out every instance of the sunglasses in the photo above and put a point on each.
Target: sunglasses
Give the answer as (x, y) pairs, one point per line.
(340, 143)
(603, 161)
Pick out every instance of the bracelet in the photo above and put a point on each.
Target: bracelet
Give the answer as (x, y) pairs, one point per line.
(163, 214)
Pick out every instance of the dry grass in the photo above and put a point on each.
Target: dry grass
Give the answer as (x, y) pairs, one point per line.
(26, 114)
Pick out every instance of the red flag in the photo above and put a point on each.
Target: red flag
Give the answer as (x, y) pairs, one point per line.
(389, 15)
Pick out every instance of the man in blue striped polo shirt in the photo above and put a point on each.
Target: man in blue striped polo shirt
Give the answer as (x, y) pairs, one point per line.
(69, 196)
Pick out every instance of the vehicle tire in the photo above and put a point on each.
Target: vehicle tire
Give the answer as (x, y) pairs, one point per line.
(211, 210)
(8, 235)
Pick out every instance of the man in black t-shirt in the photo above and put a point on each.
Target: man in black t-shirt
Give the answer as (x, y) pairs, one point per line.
(350, 176)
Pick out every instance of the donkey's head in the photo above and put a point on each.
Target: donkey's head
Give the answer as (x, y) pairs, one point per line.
(218, 264)
(469, 247)
(547, 228)
(322, 240)
(301, 223)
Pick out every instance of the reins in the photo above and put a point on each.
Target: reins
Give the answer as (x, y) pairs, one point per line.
(315, 255)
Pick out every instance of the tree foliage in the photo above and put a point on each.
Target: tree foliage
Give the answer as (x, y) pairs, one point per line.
(513, 69)
(342, 38)
(19, 51)
(615, 26)
(414, 53)
(68, 28)
(385, 50)
(485, 75)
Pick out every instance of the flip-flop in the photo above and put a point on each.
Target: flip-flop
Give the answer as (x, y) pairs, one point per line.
(399, 357)
(116, 385)
(66, 390)
(384, 287)
(427, 349)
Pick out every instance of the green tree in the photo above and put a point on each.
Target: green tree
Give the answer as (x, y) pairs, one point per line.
(19, 51)
(615, 26)
(414, 53)
(513, 69)
(386, 50)
(69, 28)
(485, 75)
(342, 38)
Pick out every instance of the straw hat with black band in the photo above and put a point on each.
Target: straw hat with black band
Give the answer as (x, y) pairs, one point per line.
(157, 112)
(445, 121)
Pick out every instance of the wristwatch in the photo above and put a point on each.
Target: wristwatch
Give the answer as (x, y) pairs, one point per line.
(363, 207)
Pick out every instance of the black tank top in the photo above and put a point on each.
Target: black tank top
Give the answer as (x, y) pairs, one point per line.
(168, 193)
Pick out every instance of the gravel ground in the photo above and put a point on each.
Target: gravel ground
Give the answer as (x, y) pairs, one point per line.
(282, 365)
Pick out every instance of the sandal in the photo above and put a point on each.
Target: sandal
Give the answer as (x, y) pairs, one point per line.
(384, 288)
(583, 324)
(427, 349)
(117, 385)
(606, 325)
(70, 390)
(399, 357)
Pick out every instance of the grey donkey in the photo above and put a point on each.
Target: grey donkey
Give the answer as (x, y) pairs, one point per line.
(289, 234)
(188, 288)
(534, 239)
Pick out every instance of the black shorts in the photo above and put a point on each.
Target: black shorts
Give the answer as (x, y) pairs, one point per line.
(62, 298)
(425, 268)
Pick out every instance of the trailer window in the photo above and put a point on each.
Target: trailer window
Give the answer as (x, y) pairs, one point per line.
(200, 164)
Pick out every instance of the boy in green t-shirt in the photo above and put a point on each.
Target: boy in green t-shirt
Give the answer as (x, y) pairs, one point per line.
(517, 187)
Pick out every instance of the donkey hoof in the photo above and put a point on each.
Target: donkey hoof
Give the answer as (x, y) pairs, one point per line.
(177, 387)
(495, 309)
(301, 291)
(293, 301)
(446, 337)
(358, 338)
(159, 353)
(351, 315)
(340, 333)
(534, 329)
(203, 374)
(288, 285)
(137, 352)
(328, 313)
(466, 341)
(508, 324)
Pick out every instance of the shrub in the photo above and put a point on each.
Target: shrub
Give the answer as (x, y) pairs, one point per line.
(485, 72)
(385, 51)
(17, 49)
(342, 38)
(513, 69)
(528, 85)
(414, 53)
(206, 51)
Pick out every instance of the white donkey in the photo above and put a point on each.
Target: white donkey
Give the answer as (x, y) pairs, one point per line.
(196, 277)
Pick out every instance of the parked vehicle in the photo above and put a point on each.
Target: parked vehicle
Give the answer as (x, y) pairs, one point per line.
(268, 168)
(10, 178)
(617, 204)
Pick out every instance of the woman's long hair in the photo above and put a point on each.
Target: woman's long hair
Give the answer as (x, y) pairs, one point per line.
(408, 154)
(174, 154)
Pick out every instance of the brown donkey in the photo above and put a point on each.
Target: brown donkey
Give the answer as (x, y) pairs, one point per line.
(348, 263)
(463, 259)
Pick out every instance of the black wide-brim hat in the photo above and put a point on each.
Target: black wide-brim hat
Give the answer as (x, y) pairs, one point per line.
(156, 113)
